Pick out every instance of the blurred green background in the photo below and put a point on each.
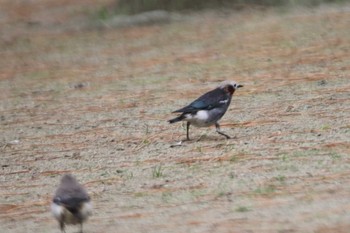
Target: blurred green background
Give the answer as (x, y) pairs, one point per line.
(137, 6)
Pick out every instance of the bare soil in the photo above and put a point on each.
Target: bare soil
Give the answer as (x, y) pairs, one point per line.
(95, 102)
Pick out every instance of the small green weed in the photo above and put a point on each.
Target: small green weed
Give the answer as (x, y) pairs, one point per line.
(335, 156)
(157, 172)
(166, 196)
(266, 190)
(242, 209)
(233, 158)
(280, 178)
(103, 14)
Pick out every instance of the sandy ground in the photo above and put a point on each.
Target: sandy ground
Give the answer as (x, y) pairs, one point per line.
(95, 102)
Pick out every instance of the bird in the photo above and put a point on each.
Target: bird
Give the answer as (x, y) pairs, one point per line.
(71, 203)
(208, 109)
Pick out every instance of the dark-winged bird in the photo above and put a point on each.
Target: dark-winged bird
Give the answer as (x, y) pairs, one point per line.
(209, 108)
(71, 203)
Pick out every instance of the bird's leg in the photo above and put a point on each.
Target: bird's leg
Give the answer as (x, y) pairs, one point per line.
(62, 227)
(81, 227)
(219, 131)
(187, 130)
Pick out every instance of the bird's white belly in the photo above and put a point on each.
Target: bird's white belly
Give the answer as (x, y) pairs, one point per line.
(60, 212)
(200, 119)
(57, 210)
(86, 210)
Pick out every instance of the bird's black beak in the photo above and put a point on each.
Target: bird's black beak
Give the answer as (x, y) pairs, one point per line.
(238, 86)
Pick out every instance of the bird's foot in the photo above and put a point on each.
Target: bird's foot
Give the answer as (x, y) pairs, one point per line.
(225, 135)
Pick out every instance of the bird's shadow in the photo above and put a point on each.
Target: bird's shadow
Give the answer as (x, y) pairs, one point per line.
(202, 138)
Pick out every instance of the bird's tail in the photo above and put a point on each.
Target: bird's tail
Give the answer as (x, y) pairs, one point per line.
(176, 119)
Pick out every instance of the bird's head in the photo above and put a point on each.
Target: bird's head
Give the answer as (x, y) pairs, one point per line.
(230, 86)
(68, 178)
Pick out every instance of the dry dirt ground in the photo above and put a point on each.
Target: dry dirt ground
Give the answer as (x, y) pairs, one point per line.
(95, 101)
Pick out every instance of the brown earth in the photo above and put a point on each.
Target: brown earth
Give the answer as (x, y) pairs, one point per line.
(95, 102)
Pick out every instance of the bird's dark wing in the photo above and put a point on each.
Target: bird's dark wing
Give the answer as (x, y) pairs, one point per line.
(209, 100)
(73, 204)
(71, 196)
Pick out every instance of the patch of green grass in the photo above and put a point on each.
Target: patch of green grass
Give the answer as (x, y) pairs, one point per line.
(140, 194)
(38, 75)
(305, 153)
(335, 156)
(103, 14)
(166, 196)
(229, 148)
(143, 81)
(138, 162)
(127, 175)
(221, 193)
(325, 127)
(147, 131)
(284, 157)
(194, 167)
(232, 175)
(292, 167)
(199, 149)
(242, 209)
(145, 141)
(137, 6)
(265, 190)
(157, 172)
(300, 153)
(280, 178)
(197, 193)
(105, 173)
(233, 158)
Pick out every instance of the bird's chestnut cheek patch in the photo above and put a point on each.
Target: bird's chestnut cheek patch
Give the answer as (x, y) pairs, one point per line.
(229, 89)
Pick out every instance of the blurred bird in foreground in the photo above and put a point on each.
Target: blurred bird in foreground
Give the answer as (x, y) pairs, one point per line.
(209, 108)
(71, 203)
